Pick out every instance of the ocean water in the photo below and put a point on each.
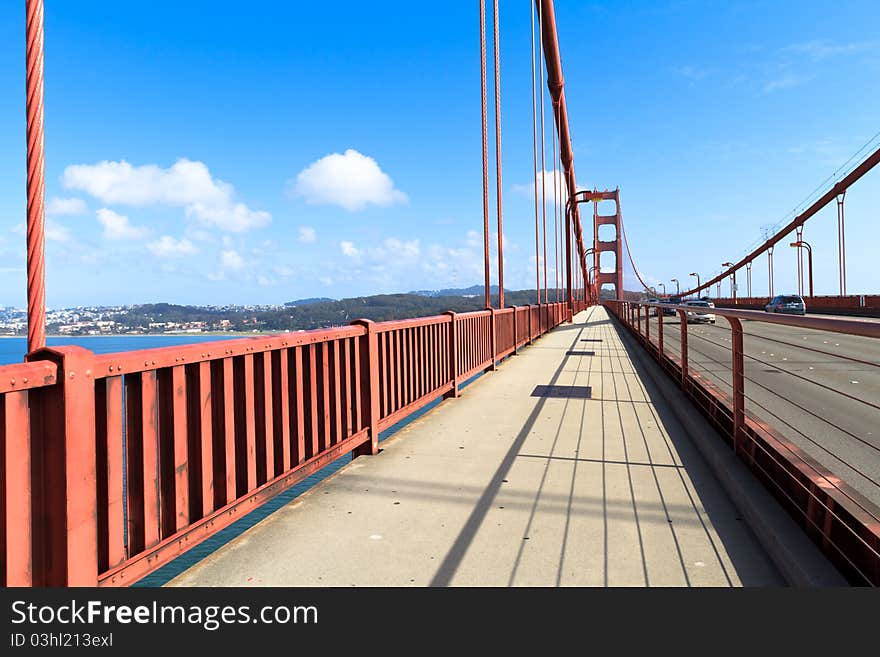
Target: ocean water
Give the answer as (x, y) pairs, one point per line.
(12, 350)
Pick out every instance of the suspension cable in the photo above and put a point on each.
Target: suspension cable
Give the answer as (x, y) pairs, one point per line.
(541, 63)
(498, 157)
(629, 253)
(488, 298)
(535, 157)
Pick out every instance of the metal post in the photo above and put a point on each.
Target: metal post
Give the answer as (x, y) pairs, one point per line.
(453, 354)
(660, 329)
(770, 270)
(369, 356)
(684, 348)
(738, 382)
(799, 231)
(841, 243)
(493, 345)
(36, 178)
(749, 277)
(65, 471)
(810, 266)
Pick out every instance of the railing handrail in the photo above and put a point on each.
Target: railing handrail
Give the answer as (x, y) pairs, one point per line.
(26, 376)
(834, 325)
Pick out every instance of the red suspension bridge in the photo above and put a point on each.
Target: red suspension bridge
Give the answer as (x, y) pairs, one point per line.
(592, 441)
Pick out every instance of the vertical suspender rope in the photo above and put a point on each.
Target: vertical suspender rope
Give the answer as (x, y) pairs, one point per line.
(485, 151)
(543, 160)
(535, 158)
(555, 215)
(498, 158)
(36, 178)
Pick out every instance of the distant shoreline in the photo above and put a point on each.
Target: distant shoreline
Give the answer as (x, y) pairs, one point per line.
(209, 334)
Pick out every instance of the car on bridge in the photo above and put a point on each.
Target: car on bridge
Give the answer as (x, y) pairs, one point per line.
(672, 301)
(700, 312)
(790, 304)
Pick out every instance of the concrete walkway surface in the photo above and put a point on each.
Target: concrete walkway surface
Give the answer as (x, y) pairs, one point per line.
(558, 469)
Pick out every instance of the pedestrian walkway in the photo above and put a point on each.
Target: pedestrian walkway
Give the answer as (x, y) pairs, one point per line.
(561, 468)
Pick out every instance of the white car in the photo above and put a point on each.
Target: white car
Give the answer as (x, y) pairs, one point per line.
(701, 315)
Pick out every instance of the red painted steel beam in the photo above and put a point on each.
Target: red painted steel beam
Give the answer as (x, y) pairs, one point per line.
(839, 188)
(36, 178)
(556, 86)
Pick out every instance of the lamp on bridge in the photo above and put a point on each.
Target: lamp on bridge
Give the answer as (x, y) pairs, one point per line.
(732, 280)
(798, 245)
(677, 289)
(693, 273)
(664, 288)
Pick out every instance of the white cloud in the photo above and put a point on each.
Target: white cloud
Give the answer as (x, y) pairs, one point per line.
(307, 234)
(117, 226)
(231, 260)
(59, 206)
(529, 189)
(57, 232)
(168, 247)
(265, 281)
(350, 180)
(185, 184)
(787, 81)
(396, 248)
(348, 249)
(283, 270)
(822, 48)
(693, 73)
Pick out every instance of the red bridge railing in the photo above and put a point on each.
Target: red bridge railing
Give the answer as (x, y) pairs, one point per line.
(112, 465)
(842, 522)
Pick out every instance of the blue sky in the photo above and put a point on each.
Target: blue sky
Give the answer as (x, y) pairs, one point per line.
(195, 151)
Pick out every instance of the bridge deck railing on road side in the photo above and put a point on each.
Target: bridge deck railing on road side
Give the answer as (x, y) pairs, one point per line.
(112, 465)
(853, 304)
(844, 524)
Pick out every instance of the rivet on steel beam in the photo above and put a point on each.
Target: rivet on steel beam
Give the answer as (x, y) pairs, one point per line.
(24, 380)
(110, 368)
(71, 374)
(12, 382)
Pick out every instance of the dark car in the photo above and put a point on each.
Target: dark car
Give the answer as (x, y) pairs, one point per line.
(672, 301)
(790, 304)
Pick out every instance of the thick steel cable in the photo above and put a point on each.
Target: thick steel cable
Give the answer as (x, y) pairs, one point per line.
(629, 254)
(36, 178)
(555, 217)
(541, 64)
(535, 157)
(498, 157)
(488, 298)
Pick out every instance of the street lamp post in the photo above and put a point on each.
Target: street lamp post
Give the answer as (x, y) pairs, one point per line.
(677, 289)
(733, 280)
(664, 288)
(693, 273)
(749, 277)
(593, 287)
(798, 245)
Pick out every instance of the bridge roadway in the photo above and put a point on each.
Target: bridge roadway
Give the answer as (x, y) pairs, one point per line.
(795, 378)
(504, 488)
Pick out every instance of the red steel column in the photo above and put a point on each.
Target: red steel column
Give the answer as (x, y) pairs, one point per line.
(369, 357)
(684, 348)
(738, 383)
(453, 354)
(64, 448)
(36, 175)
